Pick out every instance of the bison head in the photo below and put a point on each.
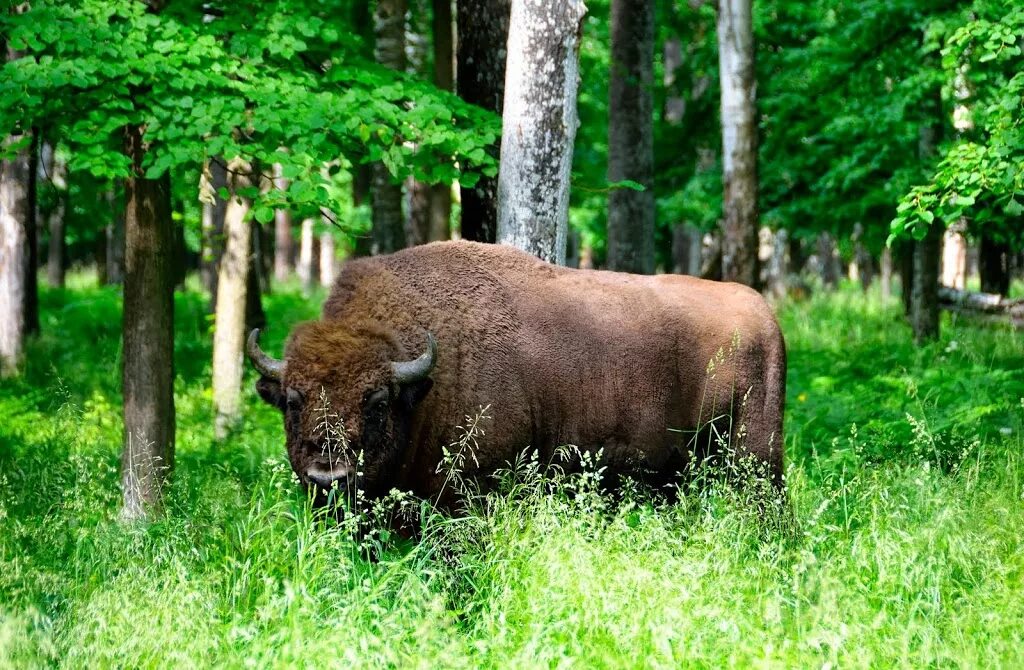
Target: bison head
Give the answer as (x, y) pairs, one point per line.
(347, 396)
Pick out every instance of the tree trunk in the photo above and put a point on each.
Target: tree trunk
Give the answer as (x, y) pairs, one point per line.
(327, 260)
(994, 266)
(213, 230)
(482, 41)
(886, 275)
(233, 285)
(255, 281)
(148, 347)
(305, 265)
(16, 217)
(631, 137)
(906, 257)
(954, 258)
(417, 221)
(115, 243)
(283, 245)
(686, 249)
(539, 126)
(56, 262)
(739, 142)
(443, 28)
(925, 293)
(389, 51)
(829, 264)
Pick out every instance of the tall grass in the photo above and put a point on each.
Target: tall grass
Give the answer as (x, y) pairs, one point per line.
(905, 476)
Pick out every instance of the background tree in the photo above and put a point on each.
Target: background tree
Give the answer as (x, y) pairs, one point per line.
(56, 170)
(284, 245)
(17, 217)
(539, 126)
(739, 142)
(482, 52)
(385, 191)
(148, 333)
(630, 137)
(233, 286)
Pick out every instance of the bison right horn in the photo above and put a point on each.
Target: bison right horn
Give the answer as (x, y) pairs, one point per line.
(407, 372)
(267, 366)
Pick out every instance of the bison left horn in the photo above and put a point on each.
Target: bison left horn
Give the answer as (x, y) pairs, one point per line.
(407, 372)
(267, 366)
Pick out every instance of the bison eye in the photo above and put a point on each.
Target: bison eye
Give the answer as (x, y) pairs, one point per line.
(377, 399)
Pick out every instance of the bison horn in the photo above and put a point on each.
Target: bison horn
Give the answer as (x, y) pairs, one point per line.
(267, 366)
(407, 372)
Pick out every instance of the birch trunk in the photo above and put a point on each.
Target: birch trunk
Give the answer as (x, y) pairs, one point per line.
(148, 327)
(283, 244)
(631, 137)
(539, 126)
(481, 56)
(305, 265)
(213, 230)
(232, 286)
(327, 260)
(386, 195)
(739, 142)
(15, 218)
(954, 259)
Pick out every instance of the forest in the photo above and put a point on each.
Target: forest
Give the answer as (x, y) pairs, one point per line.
(182, 183)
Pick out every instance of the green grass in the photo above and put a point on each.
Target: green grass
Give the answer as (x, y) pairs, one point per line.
(906, 477)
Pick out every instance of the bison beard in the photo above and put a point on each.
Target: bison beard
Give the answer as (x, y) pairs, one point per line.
(650, 370)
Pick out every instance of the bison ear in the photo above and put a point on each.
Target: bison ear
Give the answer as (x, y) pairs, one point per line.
(270, 390)
(411, 394)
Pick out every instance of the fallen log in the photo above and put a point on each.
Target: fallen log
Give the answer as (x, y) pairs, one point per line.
(989, 307)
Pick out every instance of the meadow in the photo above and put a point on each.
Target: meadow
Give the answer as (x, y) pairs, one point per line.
(905, 473)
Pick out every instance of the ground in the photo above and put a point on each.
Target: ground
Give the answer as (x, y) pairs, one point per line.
(906, 480)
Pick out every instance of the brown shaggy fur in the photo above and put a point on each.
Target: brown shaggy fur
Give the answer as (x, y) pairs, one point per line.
(638, 366)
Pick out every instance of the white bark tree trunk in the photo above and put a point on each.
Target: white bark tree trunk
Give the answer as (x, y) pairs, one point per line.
(14, 208)
(232, 285)
(886, 275)
(305, 266)
(539, 126)
(327, 260)
(954, 259)
(739, 141)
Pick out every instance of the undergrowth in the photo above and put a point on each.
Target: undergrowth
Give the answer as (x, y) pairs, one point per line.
(905, 478)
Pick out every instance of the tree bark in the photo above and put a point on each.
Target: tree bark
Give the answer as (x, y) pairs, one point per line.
(906, 258)
(213, 229)
(283, 244)
(886, 275)
(739, 142)
(148, 347)
(829, 264)
(443, 29)
(328, 263)
(954, 258)
(539, 126)
(16, 217)
(994, 266)
(924, 297)
(389, 51)
(56, 263)
(925, 293)
(256, 281)
(631, 137)
(687, 243)
(417, 228)
(115, 243)
(233, 286)
(305, 265)
(482, 40)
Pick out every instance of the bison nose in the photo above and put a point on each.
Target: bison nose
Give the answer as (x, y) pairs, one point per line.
(325, 476)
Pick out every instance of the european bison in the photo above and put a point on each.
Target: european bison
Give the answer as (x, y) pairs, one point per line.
(651, 369)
